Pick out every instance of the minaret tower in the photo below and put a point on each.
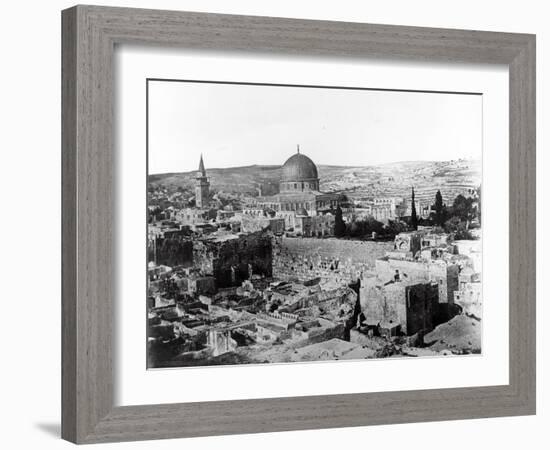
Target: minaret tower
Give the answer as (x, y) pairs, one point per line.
(202, 187)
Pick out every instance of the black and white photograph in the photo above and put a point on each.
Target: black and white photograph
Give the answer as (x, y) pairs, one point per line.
(292, 223)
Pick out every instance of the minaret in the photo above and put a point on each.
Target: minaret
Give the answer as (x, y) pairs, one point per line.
(202, 187)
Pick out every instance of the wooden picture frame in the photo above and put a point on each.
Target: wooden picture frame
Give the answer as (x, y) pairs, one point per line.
(89, 37)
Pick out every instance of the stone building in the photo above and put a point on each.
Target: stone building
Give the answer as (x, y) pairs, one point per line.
(382, 209)
(191, 216)
(400, 306)
(443, 273)
(468, 297)
(430, 239)
(198, 285)
(313, 226)
(282, 319)
(220, 341)
(252, 224)
(473, 250)
(411, 260)
(299, 190)
(408, 243)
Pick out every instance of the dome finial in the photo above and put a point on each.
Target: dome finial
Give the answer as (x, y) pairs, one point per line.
(298, 148)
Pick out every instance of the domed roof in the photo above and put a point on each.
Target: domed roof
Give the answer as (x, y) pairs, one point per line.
(301, 212)
(299, 167)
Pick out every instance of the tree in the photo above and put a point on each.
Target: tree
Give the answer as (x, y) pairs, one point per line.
(339, 225)
(371, 225)
(439, 209)
(414, 218)
(458, 228)
(463, 208)
(360, 228)
(395, 227)
(356, 228)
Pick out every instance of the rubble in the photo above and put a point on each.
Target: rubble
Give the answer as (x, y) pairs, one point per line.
(461, 335)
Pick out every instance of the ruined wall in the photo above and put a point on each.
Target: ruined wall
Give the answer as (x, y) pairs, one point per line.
(175, 250)
(422, 302)
(384, 304)
(253, 224)
(203, 257)
(202, 285)
(231, 261)
(451, 284)
(325, 333)
(336, 259)
(413, 306)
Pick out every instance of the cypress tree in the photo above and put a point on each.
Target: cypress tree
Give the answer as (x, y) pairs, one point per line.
(439, 219)
(414, 218)
(339, 225)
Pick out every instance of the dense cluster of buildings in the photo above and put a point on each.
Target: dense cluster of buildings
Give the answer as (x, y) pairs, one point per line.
(299, 207)
(420, 283)
(236, 286)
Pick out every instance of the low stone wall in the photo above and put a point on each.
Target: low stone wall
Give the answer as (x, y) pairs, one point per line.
(335, 259)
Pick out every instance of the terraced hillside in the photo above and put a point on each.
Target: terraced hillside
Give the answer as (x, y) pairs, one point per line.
(387, 180)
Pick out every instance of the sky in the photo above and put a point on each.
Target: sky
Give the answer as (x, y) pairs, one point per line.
(239, 125)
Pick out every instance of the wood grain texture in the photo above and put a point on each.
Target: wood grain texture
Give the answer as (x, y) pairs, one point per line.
(89, 36)
(68, 225)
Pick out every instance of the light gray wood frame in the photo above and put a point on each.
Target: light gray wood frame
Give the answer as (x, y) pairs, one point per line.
(89, 36)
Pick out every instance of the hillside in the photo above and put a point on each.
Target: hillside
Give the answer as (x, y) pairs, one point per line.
(387, 180)
(244, 179)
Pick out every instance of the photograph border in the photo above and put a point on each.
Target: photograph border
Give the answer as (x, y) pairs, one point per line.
(89, 37)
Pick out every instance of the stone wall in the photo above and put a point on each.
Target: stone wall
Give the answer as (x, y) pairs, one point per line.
(384, 304)
(335, 259)
(325, 333)
(412, 306)
(255, 224)
(174, 250)
(469, 298)
(202, 285)
(422, 307)
(443, 273)
(233, 260)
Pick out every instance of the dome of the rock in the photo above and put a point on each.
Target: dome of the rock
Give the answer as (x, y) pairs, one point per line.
(299, 168)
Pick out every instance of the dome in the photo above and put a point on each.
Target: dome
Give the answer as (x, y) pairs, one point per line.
(301, 212)
(298, 168)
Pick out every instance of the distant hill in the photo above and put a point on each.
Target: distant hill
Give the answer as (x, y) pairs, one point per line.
(397, 179)
(245, 179)
(386, 180)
